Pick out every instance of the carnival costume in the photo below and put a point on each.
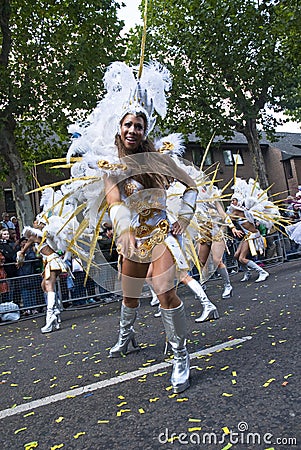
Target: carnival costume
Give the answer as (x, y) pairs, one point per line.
(294, 232)
(52, 217)
(257, 209)
(208, 224)
(93, 156)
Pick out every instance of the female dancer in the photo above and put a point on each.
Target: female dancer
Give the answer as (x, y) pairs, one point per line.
(53, 266)
(252, 242)
(137, 207)
(211, 241)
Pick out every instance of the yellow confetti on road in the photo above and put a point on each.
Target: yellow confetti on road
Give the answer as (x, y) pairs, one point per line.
(77, 435)
(55, 447)
(225, 394)
(103, 421)
(20, 429)
(122, 411)
(225, 368)
(60, 419)
(267, 383)
(272, 361)
(185, 399)
(141, 411)
(31, 445)
(227, 447)
(152, 400)
(191, 430)
(226, 430)
(121, 404)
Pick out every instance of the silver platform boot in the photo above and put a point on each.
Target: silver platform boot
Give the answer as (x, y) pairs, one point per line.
(174, 322)
(209, 309)
(51, 318)
(126, 332)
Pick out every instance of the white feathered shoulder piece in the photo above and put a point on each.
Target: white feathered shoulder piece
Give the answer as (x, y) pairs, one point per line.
(255, 202)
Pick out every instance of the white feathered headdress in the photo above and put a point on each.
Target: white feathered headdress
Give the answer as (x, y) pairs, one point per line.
(125, 95)
(255, 203)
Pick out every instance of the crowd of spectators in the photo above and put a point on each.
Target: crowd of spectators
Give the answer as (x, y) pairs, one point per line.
(21, 284)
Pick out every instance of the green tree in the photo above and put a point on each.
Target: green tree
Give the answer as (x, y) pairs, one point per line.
(230, 60)
(52, 57)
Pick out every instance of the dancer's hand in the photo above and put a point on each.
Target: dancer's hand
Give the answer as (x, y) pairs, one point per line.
(179, 226)
(237, 233)
(126, 244)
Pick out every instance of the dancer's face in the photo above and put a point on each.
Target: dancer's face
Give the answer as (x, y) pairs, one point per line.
(132, 131)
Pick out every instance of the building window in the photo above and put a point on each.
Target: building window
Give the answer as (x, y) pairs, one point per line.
(198, 155)
(9, 201)
(232, 157)
(288, 168)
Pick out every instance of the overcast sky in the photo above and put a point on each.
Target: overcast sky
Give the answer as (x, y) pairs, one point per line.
(131, 15)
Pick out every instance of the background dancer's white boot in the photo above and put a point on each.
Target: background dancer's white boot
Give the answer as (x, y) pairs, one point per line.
(228, 290)
(210, 310)
(174, 321)
(58, 308)
(246, 277)
(262, 274)
(51, 318)
(126, 332)
(158, 313)
(154, 301)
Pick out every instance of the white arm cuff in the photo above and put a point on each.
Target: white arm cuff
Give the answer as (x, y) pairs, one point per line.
(121, 217)
(188, 204)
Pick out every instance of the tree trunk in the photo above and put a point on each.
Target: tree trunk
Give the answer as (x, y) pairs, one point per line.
(19, 183)
(251, 133)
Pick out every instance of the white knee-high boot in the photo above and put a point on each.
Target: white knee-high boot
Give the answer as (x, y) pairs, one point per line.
(210, 310)
(263, 274)
(154, 301)
(174, 322)
(51, 318)
(227, 292)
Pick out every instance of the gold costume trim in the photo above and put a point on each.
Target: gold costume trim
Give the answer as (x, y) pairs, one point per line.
(159, 231)
(103, 164)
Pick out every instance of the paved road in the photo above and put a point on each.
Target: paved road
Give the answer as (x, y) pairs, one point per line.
(61, 390)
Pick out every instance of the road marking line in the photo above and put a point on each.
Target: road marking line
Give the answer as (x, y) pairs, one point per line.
(112, 381)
